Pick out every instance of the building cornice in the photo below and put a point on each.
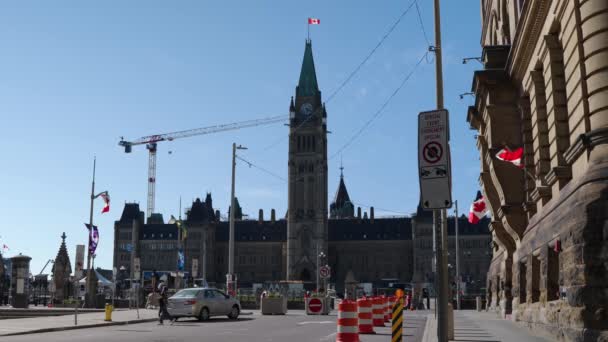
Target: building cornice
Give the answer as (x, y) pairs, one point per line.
(528, 32)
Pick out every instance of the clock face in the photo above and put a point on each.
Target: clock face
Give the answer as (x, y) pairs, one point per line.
(306, 109)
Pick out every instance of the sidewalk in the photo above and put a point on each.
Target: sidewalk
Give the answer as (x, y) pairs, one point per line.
(482, 326)
(22, 326)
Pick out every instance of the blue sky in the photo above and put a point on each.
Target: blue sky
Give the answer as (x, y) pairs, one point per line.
(76, 76)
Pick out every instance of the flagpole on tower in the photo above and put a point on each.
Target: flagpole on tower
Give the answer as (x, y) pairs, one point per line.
(88, 284)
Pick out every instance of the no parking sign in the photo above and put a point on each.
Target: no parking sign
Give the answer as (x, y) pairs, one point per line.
(434, 166)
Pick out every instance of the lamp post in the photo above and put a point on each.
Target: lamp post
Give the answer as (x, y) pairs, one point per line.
(320, 256)
(231, 277)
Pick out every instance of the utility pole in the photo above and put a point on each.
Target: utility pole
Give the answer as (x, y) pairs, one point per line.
(317, 277)
(457, 257)
(89, 284)
(441, 215)
(231, 277)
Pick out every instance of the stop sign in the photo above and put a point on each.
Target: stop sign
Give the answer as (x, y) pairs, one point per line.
(315, 305)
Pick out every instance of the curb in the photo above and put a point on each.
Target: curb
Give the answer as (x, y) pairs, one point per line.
(431, 325)
(85, 326)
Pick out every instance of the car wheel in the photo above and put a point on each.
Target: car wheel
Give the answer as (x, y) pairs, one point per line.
(234, 313)
(203, 315)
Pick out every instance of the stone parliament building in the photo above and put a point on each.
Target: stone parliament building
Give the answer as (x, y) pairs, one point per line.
(286, 248)
(544, 87)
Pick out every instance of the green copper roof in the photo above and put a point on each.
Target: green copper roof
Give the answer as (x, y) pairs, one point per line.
(308, 77)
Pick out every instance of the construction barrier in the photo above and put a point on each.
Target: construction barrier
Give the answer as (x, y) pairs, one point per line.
(387, 309)
(377, 312)
(364, 307)
(397, 324)
(347, 322)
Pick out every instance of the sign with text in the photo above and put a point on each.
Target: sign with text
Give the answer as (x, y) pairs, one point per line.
(194, 268)
(434, 168)
(79, 268)
(136, 268)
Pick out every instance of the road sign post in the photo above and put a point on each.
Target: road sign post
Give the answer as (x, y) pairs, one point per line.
(434, 168)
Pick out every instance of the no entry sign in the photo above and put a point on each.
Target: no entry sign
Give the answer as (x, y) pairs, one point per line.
(315, 305)
(434, 167)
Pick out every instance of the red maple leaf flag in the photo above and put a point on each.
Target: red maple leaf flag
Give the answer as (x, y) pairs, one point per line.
(513, 157)
(478, 209)
(106, 199)
(314, 21)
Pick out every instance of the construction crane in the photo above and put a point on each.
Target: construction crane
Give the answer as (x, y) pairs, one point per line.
(151, 142)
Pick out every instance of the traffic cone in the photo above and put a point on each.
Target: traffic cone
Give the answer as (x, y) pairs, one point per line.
(364, 307)
(347, 322)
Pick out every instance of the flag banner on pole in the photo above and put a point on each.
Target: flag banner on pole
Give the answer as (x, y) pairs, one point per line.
(314, 21)
(106, 199)
(180, 260)
(514, 157)
(93, 239)
(5, 247)
(478, 209)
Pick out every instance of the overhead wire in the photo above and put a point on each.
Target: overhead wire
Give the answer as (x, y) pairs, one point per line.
(381, 109)
(428, 42)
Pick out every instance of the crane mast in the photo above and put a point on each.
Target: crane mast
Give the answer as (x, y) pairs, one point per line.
(151, 142)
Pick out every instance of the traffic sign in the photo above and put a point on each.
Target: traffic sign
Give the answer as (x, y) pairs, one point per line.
(194, 268)
(434, 166)
(78, 272)
(324, 272)
(136, 268)
(315, 305)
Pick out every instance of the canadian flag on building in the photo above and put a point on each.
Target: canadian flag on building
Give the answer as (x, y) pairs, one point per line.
(314, 21)
(478, 209)
(514, 157)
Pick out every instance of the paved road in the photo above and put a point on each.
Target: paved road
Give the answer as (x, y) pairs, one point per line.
(294, 327)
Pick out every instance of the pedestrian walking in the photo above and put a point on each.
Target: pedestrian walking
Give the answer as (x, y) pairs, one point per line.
(162, 304)
(425, 294)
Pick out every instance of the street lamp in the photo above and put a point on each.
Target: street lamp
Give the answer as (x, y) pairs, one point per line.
(231, 277)
(320, 257)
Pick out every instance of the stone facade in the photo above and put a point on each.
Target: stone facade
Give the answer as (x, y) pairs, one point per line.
(544, 87)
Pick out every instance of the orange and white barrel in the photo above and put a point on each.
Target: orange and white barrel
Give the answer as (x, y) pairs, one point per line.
(377, 312)
(347, 322)
(386, 303)
(364, 307)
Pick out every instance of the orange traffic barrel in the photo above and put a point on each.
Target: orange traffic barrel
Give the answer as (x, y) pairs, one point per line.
(386, 305)
(347, 322)
(377, 312)
(364, 307)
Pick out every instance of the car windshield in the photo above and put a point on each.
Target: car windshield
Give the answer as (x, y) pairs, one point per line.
(186, 293)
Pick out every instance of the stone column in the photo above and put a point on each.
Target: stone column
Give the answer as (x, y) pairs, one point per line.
(20, 283)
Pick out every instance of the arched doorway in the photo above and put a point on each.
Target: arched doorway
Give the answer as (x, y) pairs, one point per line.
(305, 275)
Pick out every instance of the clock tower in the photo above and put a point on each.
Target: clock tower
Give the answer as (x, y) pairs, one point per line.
(307, 189)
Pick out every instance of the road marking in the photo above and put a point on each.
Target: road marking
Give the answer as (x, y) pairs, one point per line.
(328, 338)
(316, 322)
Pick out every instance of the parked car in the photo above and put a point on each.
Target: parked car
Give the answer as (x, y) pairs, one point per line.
(203, 303)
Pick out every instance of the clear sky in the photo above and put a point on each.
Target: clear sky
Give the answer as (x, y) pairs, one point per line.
(75, 76)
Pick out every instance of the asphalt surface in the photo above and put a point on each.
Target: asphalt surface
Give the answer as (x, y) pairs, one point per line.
(294, 327)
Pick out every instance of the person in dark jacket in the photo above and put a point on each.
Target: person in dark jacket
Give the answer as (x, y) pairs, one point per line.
(162, 304)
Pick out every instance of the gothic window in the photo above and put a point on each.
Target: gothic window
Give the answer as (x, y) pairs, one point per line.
(522, 282)
(299, 143)
(314, 144)
(540, 125)
(535, 279)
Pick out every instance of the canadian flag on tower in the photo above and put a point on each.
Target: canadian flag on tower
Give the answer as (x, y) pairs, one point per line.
(314, 21)
(478, 209)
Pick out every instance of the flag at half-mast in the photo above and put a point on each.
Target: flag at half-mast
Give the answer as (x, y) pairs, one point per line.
(512, 156)
(314, 21)
(478, 209)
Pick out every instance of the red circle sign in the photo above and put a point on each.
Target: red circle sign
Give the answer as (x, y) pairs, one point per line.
(315, 305)
(432, 152)
(324, 271)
